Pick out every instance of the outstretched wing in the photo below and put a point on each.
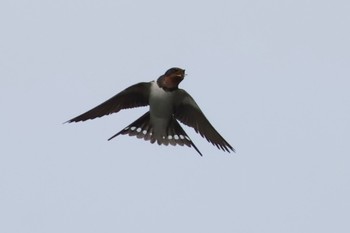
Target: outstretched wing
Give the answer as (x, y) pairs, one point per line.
(133, 96)
(188, 112)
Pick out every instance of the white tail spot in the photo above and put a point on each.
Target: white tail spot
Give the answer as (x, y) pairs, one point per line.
(170, 137)
(139, 130)
(176, 137)
(133, 128)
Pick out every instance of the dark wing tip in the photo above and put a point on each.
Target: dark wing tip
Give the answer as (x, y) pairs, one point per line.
(71, 121)
(228, 147)
(222, 144)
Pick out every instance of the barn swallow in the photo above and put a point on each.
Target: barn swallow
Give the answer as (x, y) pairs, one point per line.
(167, 104)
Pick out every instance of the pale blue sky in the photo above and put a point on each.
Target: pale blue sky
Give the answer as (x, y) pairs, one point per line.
(272, 77)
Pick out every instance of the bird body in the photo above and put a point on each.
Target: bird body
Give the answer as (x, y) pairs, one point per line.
(161, 109)
(167, 104)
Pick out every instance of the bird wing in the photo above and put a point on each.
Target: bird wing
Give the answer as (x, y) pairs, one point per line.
(188, 112)
(134, 96)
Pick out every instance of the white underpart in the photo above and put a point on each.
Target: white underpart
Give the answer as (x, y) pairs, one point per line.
(161, 109)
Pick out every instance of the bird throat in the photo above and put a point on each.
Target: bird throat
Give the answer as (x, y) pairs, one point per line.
(168, 83)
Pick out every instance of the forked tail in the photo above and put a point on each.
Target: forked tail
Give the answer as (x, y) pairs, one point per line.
(142, 128)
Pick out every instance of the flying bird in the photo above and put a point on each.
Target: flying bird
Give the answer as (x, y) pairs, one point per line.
(167, 104)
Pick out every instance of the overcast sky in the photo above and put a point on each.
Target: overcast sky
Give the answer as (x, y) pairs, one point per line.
(271, 76)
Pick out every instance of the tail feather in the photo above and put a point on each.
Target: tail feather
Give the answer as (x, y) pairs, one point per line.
(142, 128)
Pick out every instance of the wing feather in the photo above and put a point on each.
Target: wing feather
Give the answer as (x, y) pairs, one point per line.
(188, 112)
(134, 96)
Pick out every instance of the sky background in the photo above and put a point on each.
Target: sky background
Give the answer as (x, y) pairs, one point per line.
(272, 77)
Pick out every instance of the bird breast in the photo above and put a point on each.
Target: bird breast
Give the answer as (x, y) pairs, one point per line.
(161, 102)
